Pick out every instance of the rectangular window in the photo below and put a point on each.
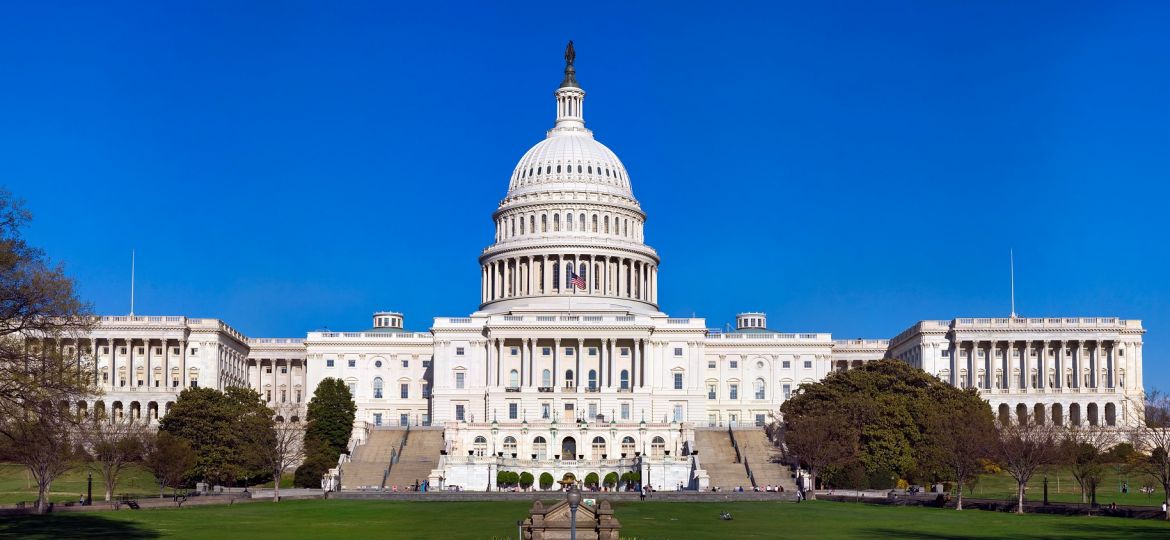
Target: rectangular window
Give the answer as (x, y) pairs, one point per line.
(808, 364)
(405, 363)
(459, 381)
(625, 411)
(426, 419)
(404, 390)
(106, 350)
(545, 411)
(592, 351)
(140, 350)
(787, 364)
(404, 419)
(268, 369)
(352, 389)
(458, 351)
(678, 413)
(377, 419)
(568, 351)
(710, 364)
(759, 420)
(513, 411)
(625, 351)
(284, 396)
(733, 391)
(710, 391)
(592, 411)
(787, 391)
(459, 412)
(546, 351)
(298, 396)
(734, 364)
(678, 382)
(426, 364)
(329, 362)
(515, 351)
(351, 363)
(678, 351)
(284, 370)
(946, 353)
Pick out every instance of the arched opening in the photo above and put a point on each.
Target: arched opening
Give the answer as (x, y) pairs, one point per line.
(480, 445)
(593, 379)
(1058, 414)
(540, 447)
(759, 388)
(1091, 412)
(514, 379)
(1074, 414)
(510, 446)
(1021, 414)
(569, 448)
(377, 388)
(625, 379)
(546, 378)
(1110, 414)
(569, 383)
(628, 447)
(598, 448)
(657, 447)
(1039, 415)
(1005, 414)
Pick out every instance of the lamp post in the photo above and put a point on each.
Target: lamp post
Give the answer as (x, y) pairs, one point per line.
(89, 490)
(574, 498)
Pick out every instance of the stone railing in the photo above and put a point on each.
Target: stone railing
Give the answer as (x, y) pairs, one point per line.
(369, 335)
(717, 334)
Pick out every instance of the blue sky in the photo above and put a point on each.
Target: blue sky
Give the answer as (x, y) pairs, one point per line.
(846, 167)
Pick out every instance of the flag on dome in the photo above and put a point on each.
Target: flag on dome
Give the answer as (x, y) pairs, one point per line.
(576, 280)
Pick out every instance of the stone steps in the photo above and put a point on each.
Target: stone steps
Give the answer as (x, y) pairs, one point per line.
(764, 459)
(418, 459)
(717, 457)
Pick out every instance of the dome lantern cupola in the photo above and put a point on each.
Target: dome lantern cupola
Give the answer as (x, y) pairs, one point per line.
(570, 96)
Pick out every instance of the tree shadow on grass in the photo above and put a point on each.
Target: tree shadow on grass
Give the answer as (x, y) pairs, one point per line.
(78, 525)
(1064, 531)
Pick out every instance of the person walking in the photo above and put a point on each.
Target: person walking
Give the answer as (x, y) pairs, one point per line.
(642, 494)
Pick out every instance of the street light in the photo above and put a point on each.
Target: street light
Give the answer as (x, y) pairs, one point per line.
(574, 498)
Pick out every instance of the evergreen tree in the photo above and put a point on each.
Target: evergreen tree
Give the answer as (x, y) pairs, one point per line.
(330, 418)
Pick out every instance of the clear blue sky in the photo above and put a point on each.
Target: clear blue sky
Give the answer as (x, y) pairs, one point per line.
(846, 167)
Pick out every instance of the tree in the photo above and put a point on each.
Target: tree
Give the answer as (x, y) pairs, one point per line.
(276, 446)
(546, 480)
(591, 480)
(960, 448)
(611, 480)
(330, 418)
(1153, 437)
(170, 458)
(1021, 448)
(817, 440)
(40, 314)
(525, 480)
(218, 425)
(111, 448)
(1082, 450)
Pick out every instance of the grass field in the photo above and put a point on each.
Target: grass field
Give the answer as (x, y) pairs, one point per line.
(16, 484)
(1062, 487)
(351, 520)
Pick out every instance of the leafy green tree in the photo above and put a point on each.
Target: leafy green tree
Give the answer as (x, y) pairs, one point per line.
(591, 480)
(525, 480)
(110, 448)
(611, 480)
(961, 439)
(546, 480)
(218, 426)
(170, 458)
(331, 413)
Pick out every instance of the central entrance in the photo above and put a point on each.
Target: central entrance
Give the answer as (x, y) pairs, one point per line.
(569, 448)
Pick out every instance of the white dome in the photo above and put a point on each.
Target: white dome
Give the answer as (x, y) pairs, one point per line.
(570, 160)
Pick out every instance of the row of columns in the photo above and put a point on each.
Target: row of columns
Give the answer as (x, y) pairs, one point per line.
(607, 364)
(603, 224)
(1076, 358)
(84, 348)
(534, 275)
(276, 381)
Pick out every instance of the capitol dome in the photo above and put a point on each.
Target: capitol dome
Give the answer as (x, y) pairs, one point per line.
(569, 229)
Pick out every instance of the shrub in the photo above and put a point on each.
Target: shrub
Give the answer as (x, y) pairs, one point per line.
(546, 480)
(611, 479)
(591, 480)
(525, 480)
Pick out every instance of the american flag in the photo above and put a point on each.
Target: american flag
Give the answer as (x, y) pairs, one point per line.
(576, 280)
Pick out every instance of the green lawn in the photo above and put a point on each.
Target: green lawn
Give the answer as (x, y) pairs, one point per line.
(1062, 487)
(17, 485)
(351, 520)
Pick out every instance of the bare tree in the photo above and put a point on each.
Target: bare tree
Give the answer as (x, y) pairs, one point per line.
(170, 458)
(42, 371)
(1021, 449)
(817, 441)
(111, 447)
(278, 445)
(960, 440)
(1153, 438)
(1082, 449)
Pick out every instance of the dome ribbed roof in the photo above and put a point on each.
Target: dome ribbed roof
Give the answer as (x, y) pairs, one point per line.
(570, 160)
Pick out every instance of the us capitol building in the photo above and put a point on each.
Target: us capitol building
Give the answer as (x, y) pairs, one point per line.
(569, 366)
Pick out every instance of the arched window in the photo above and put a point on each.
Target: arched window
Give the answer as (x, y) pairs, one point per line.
(509, 445)
(627, 445)
(578, 169)
(759, 386)
(543, 223)
(480, 446)
(625, 379)
(593, 379)
(540, 447)
(377, 387)
(606, 223)
(569, 221)
(594, 222)
(521, 224)
(657, 447)
(568, 275)
(598, 447)
(582, 221)
(556, 222)
(584, 273)
(532, 223)
(556, 276)
(514, 379)
(569, 378)
(546, 378)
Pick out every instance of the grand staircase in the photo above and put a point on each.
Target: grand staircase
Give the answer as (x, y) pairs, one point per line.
(418, 459)
(717, 457)
(764, 459)
(369, 461)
